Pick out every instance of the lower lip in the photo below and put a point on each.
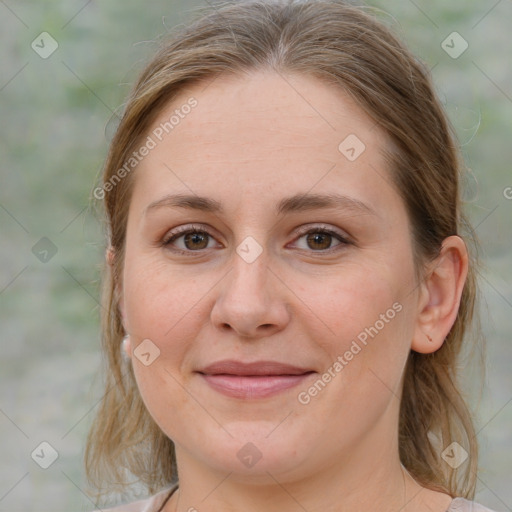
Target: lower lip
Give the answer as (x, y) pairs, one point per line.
(253, 386)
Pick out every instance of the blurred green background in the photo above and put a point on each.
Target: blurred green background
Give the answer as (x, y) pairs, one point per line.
(55, 114)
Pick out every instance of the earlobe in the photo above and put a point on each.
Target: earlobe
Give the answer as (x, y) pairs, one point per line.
(440, 296)
(126, 347)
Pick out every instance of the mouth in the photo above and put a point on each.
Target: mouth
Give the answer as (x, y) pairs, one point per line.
(260, 379)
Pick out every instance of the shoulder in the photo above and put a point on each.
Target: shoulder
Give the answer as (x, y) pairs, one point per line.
(151, 504)
(463, 505)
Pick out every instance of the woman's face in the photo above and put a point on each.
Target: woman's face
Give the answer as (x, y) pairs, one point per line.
(261, 282)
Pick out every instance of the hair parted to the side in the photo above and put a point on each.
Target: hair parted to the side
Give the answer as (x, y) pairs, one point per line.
(339, 44)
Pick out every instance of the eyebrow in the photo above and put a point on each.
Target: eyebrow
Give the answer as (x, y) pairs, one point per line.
(295, 203)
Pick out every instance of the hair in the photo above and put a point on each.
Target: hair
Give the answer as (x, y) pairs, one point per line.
(337, 43)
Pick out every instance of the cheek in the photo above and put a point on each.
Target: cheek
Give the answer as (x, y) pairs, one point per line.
(161, 301)
(357, 302)
(165, 308)
(366, 355)
(368, 322)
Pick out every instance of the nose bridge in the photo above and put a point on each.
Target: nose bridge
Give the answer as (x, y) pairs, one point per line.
(247, 301)
(250, 269)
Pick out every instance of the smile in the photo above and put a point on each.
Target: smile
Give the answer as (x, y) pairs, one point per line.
(253, 380)
(254, 386)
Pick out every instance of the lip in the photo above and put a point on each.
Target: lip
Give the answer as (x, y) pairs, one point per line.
(256, 368)
(259, 379)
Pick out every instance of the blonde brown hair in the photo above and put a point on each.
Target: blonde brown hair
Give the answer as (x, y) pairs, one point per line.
(339, 44)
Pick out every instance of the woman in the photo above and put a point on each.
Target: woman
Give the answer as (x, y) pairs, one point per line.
(286, 274)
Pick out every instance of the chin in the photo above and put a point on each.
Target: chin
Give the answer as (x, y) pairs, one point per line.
(254, 451)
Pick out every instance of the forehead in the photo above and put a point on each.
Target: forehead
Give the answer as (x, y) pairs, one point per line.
(254, 107)
(259, 134)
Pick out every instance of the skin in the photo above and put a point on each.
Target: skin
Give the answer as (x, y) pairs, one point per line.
(250, 142)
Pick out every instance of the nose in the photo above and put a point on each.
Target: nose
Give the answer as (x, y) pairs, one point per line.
(252, 300)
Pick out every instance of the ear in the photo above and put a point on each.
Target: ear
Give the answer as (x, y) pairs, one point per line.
(109, 257)
(440, 295)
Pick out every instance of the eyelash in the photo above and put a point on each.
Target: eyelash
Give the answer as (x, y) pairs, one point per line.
(179, 232)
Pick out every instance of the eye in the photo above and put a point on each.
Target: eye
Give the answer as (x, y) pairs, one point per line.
(320, 239)
(197, 238)
(194, 238)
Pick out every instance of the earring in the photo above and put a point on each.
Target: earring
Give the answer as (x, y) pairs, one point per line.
(124, 348)
(429, 338)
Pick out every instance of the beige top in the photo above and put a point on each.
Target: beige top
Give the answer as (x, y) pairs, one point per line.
(156, 503)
